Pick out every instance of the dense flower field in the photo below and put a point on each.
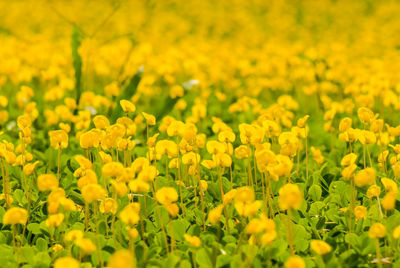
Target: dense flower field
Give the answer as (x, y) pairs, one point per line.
(199, 133)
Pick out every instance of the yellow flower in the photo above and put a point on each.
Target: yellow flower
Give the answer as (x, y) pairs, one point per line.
(360, 212)
(348, 159)
(108, 205)
(56, 195)
(390, 185)
(289, 143)
(222, 160)
(345, 124)
(365, 115)
(68, 204)
(90, 177)
(176, 91)
(15, 215)
(119, 187)
(130, 213)
(317, 155)
(83, 162)
(181, 104)
(290, 197)
(46, 182)
(57, 247)
(112, 89)
(383, 156)
(204, 185)
(215, 214)
(396, 232)
(66, 262)
(23, 121)
(133, 232)
(245, 204)
(348, 172)
(295, 262)
(281, 167)
(58, 139)
(226, 136)
(194, 241)
(377, 230)
(150, 119)
(373, 191)
(209, 164)
(254, 226)
(90, 139)
(55, 220)
(172, 209)
(320, 247)
(127, 106)
(101, 122)
(73, 235)
(29, 168)
(302, 121)
(86, 245)
(139, 186)
(268, 237)
(92, 192)
(121, 259)
(148, 173)
(215, 147)
(166, 195)
(244, 194)
(167, 147)
(112, 169)
(242, 151)
(190, 158)
(106, 158)
(7, 197)
(365, 177)
(65, 127)
(229, 196)
(389, 201)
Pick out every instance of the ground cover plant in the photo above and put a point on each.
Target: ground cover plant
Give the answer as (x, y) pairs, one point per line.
(199, 133)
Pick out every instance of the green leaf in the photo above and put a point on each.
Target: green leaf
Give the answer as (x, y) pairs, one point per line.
(19, 196)
(171, 261)
(223, 260)
(315, 192)
(203, 258)
(77, 198)
(315, 208)
(301, 238)
(179, 229)
(41, 244)
(2, 211)
(42, 259)
(353, 240)
(28, 254)
(34, 228)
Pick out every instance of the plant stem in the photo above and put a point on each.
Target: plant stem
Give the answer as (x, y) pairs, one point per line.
(290, 231)
(378, 252)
